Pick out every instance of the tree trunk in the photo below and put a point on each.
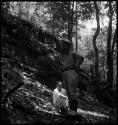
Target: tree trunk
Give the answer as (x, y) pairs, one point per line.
(94, 44)
(109, 54)
(70, 20)
(53, 25)
(114, 41)
(76, 28)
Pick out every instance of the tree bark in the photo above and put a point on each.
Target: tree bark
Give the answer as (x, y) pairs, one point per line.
(94, 44)
(114, 41)
(109, 53)
(76, 28)
(70, 20)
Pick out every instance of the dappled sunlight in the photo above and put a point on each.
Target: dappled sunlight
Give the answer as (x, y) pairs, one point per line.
(92, 113)
(47, 42)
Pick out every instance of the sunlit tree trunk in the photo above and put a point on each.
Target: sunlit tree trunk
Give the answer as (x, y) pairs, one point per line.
(112, 53)
(76, 28)
(94, 44)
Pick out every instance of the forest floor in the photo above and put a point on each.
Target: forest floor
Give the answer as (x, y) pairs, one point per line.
(32, 103)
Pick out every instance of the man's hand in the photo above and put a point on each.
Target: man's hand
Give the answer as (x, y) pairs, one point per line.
(63, 96)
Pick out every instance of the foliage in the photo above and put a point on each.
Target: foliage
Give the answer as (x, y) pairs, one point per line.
(28, 49)
(30, 57)
(59, 12)
(85, 10)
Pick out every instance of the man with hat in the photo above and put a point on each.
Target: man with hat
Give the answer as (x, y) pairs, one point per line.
(71, 61)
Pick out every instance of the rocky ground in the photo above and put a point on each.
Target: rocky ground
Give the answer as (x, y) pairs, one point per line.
(32, 102)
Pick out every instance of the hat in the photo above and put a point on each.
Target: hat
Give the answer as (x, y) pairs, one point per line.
(64, 45)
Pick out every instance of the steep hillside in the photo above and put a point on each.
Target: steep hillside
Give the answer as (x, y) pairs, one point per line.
(30, 68)
(31, 46)
(24, 60)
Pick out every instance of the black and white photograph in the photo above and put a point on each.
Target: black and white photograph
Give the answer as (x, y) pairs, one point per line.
(59, 62)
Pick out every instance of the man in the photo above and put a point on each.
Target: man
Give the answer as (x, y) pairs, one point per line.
(60, 99)
(71, 61)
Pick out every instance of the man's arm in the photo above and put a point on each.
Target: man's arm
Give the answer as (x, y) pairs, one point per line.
(63, 96)
(57, 93)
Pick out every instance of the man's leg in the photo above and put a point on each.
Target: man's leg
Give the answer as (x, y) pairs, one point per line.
(73, 104)
(63, 110)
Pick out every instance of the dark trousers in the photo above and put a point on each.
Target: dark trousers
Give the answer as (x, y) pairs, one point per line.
(73, 104)
(63, 111)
